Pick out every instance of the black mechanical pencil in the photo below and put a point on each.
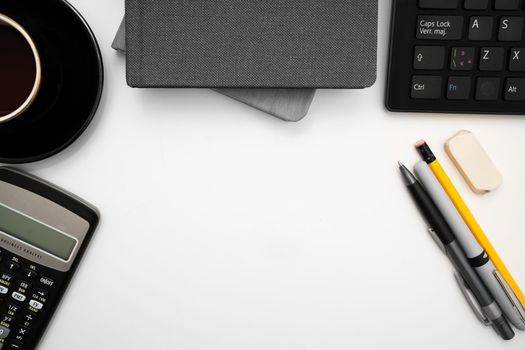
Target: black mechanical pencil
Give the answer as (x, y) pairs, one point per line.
(456, 255)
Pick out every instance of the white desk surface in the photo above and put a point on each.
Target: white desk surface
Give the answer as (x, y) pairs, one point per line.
(224, 228)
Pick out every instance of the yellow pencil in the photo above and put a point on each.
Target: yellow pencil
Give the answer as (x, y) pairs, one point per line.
(427, 155)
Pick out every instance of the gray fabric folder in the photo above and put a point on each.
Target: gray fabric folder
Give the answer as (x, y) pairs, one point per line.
(251, 43)
(286, 104)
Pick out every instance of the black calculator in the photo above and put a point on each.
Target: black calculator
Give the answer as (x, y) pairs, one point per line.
(44, 232)
(459, 56)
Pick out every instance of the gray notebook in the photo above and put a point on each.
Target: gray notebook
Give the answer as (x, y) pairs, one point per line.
(287, 104)
(251, 43)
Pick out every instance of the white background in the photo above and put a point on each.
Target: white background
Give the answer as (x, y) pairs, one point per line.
(224, 228)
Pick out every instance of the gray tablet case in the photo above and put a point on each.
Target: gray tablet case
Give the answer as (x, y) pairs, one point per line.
(251, 43)
(286, 104)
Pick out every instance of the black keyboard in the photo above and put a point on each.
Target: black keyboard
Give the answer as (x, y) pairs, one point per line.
(459, 56)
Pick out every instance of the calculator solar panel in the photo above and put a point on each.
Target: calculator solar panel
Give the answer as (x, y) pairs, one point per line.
(458, 56)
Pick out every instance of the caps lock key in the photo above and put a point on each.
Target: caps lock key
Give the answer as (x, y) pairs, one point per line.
(439, 27)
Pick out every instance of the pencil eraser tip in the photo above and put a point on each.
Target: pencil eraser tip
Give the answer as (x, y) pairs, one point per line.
(420, 143)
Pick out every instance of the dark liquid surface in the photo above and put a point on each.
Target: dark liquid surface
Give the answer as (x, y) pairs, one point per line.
(17, 69)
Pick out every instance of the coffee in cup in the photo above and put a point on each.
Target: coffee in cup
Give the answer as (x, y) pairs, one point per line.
(20, 69)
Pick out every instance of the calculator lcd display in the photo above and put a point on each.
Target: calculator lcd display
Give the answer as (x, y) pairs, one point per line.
(36, 233)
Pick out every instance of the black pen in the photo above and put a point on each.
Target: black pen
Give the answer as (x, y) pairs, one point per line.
(456, 255)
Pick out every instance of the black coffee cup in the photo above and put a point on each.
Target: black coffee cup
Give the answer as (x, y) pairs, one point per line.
(51, 78)
(20, 69)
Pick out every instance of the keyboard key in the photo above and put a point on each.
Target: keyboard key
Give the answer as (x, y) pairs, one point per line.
(426, 87)
(517, 59)
(429, 57)
(480, 28)
(439, 27)
(515, 89)
(458, 88)
(476, 4)
(491, 58)
(438, 4)
(507, 4)
(487, 89)
(462, 58)
(510, 29)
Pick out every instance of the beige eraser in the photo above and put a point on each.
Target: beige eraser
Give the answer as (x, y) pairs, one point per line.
(473, 162)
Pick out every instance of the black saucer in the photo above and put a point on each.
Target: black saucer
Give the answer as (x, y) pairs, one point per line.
(72, 80)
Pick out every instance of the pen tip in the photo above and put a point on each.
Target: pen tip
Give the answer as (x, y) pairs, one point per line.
(400, 164)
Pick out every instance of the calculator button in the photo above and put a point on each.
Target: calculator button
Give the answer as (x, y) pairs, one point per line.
(15, 345)
(438, 4)
(510, 29)
(40, 294)
(507, 4)
(517, 59)
(487, 89)
(515, 89)
(12, 309)
(47, 281)
(429, 57)
(22, 331)
(480, 28)
(6, 279)
(30, 273)
(4, 332)
(439, 27)
(11, 265)
(24, 286)
(7, 319)
(18, 297)
(476, 4)
(458, 88)
(3, 290)
(28, 318)
(491, 58)
(36, 304)
(462, 58)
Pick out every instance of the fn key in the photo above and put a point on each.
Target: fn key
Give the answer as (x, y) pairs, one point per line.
(426, 87)
(458, 88)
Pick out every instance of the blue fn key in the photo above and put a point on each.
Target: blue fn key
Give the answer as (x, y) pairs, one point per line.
(458, 88)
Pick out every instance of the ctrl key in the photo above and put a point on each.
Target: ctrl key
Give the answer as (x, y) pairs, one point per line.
(426, 87)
